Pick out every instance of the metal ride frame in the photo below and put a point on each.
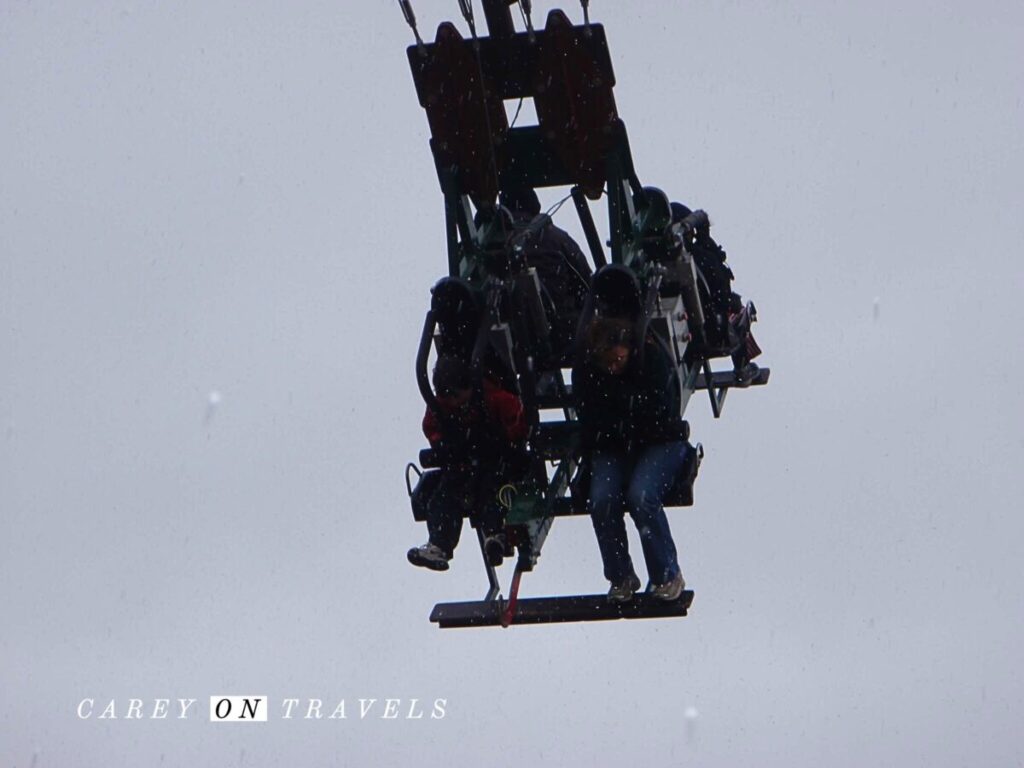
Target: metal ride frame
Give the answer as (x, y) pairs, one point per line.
(579, 143)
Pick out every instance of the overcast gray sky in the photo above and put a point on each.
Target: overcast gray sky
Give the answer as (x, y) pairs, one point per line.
(237, 199)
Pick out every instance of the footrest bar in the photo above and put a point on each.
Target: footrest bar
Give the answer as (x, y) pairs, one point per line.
(556, 610)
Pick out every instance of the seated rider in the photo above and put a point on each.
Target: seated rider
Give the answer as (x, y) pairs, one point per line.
(562, 269)
(727, 318)
(628, 403)
(481, 446)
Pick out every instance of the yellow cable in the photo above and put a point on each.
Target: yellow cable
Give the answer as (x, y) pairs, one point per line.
(506, 494)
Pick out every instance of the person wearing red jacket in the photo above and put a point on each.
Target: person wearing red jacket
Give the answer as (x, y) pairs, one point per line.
(481, 442)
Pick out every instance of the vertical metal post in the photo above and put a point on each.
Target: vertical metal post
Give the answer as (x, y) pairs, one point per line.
(618, 220)
(499, 18)
(589, 229)
(717, 396)
(452, 232)
(493, 588)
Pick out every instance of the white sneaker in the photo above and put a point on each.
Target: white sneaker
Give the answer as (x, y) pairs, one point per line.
(429, 556)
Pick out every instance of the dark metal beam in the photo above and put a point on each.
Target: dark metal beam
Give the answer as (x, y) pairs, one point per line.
(727, 379)
(499, 18)
(589, 228)
(558, 610)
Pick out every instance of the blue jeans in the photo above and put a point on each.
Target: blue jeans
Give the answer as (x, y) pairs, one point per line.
(639, 483)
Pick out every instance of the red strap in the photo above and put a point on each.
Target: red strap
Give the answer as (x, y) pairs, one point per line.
(510, 609)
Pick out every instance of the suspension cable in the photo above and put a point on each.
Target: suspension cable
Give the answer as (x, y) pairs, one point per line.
(586, 14)
(515, 117)
(554, 208)
(466, 6)
(410, 19)
(526, 7)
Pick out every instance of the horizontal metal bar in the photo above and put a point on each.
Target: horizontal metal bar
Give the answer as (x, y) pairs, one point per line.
(511, 64)
(719, 380)
(557, 610)
(727, 379)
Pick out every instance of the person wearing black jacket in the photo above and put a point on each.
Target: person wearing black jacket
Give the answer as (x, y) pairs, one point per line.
(562, 269)
(628, 402)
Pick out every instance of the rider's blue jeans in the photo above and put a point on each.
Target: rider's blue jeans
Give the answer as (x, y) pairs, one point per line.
(638, 483)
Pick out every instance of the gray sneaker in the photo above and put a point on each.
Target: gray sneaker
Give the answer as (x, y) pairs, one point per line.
(429, 556)
(623, 591)
(670, 591)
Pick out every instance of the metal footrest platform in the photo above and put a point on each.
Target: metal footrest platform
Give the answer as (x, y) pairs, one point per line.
(727, 379)
(556, 610)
